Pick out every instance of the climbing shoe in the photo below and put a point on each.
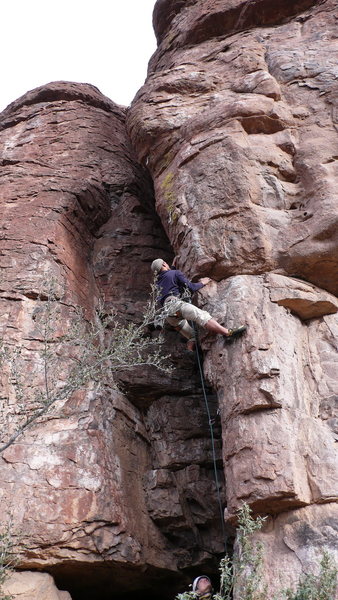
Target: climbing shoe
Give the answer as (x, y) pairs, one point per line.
(234, 333)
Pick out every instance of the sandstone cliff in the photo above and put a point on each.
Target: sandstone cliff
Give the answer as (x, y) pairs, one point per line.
(233, 140)
(109, 488)
(237, 123)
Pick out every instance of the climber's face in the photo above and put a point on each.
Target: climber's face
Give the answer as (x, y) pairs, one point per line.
(204, 585)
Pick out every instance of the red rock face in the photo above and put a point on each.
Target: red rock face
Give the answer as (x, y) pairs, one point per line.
(237, 126)
(238, 130)
(39, 586)
(114, 492)
(237, 122)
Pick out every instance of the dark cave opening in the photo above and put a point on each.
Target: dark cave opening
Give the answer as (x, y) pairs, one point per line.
(119, 582)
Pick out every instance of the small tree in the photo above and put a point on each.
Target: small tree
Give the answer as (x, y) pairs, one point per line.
(90, 351)
(241, 576)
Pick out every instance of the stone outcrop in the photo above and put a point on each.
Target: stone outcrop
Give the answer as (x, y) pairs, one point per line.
(237, 123)
(301, 534)
(107, 491)
(239, 132)
(29, 585)
(233, 139)
(275, 387)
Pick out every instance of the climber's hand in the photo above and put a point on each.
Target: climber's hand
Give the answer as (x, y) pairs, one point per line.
(205, 280)
(174, 261)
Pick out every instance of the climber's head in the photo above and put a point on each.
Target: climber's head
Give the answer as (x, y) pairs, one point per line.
(202, 585)
(159, 265)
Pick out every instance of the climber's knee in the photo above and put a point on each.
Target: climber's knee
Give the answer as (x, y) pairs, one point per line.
(184, 328)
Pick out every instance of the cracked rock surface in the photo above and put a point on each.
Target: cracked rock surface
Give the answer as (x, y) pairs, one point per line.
(237, 123)
(227, 159)
(107, 486)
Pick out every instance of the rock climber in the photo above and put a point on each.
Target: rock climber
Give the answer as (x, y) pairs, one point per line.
(171, 284)
(202, 586)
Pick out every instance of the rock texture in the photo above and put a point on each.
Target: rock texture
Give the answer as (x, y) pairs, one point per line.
(237, 122)
(301, 535)
(239, 132)
(234, 132)
(275, 386)
(107, 490)
(33, 586)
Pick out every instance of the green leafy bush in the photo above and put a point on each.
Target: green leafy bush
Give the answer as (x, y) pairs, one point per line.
(90, 352)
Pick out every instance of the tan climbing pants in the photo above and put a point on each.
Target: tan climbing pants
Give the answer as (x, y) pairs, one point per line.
(179, 312)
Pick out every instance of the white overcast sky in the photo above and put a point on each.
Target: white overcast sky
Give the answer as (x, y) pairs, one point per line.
(104, 42)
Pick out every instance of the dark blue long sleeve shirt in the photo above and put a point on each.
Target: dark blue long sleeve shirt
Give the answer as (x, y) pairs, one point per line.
(172, 283)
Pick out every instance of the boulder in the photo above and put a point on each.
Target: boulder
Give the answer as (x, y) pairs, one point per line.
(31, 585)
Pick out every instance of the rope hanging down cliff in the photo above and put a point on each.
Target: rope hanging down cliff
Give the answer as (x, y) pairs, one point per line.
(175, 297)
(212, 437)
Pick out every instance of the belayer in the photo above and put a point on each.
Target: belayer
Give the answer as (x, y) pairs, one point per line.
(202, 587)
(171, 284)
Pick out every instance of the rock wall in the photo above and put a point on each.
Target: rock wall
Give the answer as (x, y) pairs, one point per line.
(240, 128)
(107, 485)
(237, 123)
